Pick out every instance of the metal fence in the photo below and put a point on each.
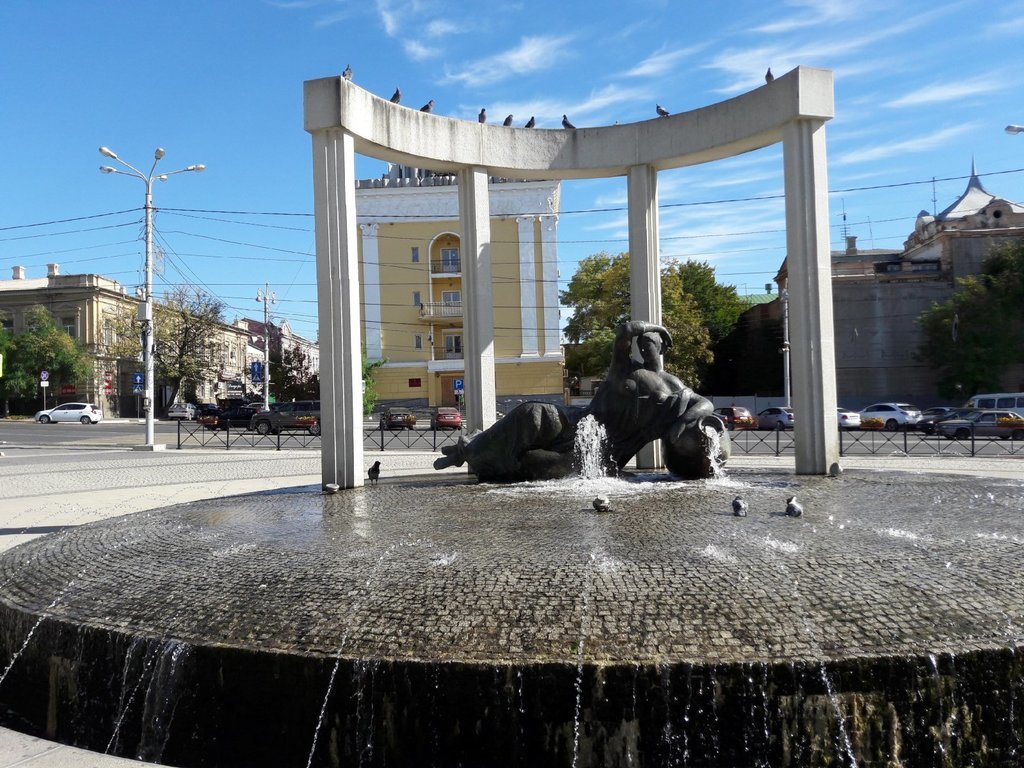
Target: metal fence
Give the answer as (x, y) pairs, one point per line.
(195, 435)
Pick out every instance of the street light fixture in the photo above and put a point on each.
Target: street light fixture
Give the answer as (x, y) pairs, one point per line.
(146, 308)
(1015, 129)
(268, 298)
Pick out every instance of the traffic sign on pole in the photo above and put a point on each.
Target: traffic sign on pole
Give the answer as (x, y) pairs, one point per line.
(44, 375)
(458, 385)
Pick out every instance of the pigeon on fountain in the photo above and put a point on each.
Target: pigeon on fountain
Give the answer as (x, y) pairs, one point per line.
(768, 76)
(482, 117)
(662, 112)
(793, 507)
(374, 472)
(428, 107)
(347, 74)
(530, 123)
(508, 121)
(739, 507)
(566, 123)
(397, 96)
(601, 504)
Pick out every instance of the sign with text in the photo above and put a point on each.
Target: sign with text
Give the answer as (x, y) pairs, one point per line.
(458, 385)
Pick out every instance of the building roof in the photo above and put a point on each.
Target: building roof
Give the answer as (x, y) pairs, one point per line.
(973, 199)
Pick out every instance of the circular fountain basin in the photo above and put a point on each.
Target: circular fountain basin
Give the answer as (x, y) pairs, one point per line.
(425, 622)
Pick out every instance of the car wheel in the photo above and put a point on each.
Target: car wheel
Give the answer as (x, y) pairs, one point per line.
(891, 425)
(44, 419)
(314, 430)
(85, 420)
(263, 427)
(962, 434)
(1017, 434)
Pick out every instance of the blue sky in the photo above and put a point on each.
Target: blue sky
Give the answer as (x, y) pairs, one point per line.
(922, 88)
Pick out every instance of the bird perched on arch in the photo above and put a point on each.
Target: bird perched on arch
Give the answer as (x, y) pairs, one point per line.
(566, 123)
(396, 97)
(482, 117)
(530, 123)
(662, 112)
(428, 107)
(768, 76)
(374, 472)
(508, 121)
(347, 74)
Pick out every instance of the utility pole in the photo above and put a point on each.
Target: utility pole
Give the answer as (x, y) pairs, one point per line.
(268, 298)
(146, 308)
(785, 342)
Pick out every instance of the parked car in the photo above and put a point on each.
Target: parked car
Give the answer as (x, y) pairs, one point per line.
(297, 415)
(446, 418)
(185, 411)
(237, 417)
(1003, 424)
(397, 418)
(203, 409)
(933, 416)
(775, 418)
(85, 413)
(736, 417)
(893, 416)
(848, 419)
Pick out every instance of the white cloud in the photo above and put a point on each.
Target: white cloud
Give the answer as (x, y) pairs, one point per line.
(810, 13)
(938, 93)
(418, 51)
(916, 144)
(662, 62)
(531, 55)
(441, 28)
(388, 17)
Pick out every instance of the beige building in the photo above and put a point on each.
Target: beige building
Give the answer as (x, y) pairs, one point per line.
(411, 279)
(87, 307)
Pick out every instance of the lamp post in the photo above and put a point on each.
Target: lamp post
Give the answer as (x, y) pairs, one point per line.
(267, 298)
(146, 308)
(1015, 129)
(785, 343)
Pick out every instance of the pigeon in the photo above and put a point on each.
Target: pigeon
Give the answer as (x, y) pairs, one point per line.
(566, 123)
(739, 507)
(508, 121)
(601, 504)
(530, 123)
(793, 508)
(768, 76)
(397, 96)
(374, 472)
(481, 118)
(428, 107)
(347, 74)
(662, 112)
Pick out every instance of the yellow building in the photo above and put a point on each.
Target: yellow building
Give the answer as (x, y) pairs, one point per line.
(411, 279)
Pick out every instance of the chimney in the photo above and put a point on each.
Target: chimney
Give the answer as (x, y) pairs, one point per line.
(19, 273)
(52, 270)
(851, 245)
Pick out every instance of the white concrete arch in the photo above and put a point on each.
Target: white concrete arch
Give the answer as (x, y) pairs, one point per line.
(344, 119)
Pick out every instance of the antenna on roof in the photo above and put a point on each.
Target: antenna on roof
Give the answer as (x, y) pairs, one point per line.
(846, 230)
(935, 204)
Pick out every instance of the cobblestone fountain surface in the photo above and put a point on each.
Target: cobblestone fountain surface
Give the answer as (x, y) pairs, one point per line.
(426, 583)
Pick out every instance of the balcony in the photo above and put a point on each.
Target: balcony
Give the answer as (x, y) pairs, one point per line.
(441, 310)
(446, 266)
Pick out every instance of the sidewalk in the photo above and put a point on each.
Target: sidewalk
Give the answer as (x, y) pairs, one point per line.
(41, 494)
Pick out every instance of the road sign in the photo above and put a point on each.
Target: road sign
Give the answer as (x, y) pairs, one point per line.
(44, 375)
(108, 376)
(44, 383)
(138, 379)
(458, 385)
(137, 389)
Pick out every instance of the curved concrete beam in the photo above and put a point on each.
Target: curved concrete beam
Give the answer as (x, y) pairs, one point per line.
(402, 135)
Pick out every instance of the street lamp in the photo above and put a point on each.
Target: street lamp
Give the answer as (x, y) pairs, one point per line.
(1015, 129)
(267, 298)
(146, 308)
(785, 349)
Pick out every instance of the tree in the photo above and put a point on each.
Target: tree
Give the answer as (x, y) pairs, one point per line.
(958, 333)
(292, 377)
(187, 344)
(695, 309)
(42, 346)
(369, 386)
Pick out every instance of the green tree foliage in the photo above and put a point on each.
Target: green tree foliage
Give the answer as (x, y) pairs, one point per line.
(41, 347)
(695, 309)
(291, 377)
(369, 385)
(973, 337)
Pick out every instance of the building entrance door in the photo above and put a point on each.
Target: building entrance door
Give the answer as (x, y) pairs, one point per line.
(448, 389)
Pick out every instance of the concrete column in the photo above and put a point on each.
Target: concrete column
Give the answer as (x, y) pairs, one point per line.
(644, 268)
(477, 298)
(809, 264)
(371, 292)
(337, 277)
(529, 319)
(551, 320)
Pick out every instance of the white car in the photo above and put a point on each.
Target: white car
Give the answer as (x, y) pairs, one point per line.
(185, 411)
(892, 415)
(86, 413)
(775, 418)
(848, 419)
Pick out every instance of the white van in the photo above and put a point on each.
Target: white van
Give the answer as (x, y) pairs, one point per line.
(1013, 401)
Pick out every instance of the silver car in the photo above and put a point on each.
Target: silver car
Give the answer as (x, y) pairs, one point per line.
(892, 416)
(84, 413)
(1003, 424)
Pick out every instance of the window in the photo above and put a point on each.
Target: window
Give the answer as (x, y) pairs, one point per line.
(449, 259)
(415, 383)
(415, 254)
(451, 297)
(68, 324)
(453, 346)
(416, 299)
(417, 341)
